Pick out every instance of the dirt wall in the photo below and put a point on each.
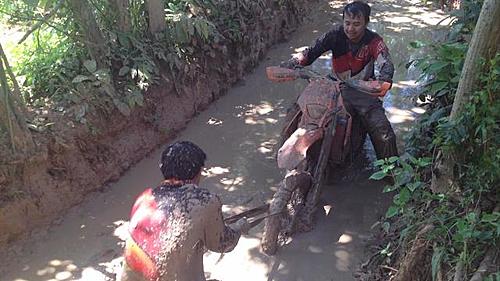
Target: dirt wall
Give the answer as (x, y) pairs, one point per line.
(70, 161)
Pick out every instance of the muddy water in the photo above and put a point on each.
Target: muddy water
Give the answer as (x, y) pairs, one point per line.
(238, 132)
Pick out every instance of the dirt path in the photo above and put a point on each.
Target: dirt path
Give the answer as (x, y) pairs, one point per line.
(238, 133)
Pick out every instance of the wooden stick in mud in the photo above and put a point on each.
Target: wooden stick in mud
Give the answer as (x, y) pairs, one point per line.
(249, 213)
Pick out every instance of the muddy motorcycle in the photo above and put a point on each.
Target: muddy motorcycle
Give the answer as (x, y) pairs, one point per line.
(319, 132)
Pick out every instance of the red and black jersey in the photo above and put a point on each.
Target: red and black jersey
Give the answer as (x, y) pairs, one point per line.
(367, 59)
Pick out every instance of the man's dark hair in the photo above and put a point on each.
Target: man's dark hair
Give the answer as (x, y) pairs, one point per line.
(182, 160)
(358, 8)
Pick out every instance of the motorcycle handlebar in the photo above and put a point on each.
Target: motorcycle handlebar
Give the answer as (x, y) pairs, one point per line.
(281, 74)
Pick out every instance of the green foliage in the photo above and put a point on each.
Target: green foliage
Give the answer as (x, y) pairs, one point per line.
(442, 66)
(460, 232)
(466, 18)
(475, 136)
(51, 62)
(440, 70)
(406, 173)
(464, 226)
(47, 64)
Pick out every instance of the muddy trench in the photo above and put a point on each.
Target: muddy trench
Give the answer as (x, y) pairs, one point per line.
(239, 132)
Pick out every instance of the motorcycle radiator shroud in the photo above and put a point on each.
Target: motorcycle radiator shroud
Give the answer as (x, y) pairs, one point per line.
(317, 104)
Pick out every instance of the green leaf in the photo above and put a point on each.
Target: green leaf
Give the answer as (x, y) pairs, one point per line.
(424, 162)
(122, 107)
(102, 75)
(438, 65)
(388, 168)
(379, 162)
(378, 175)
(123, 40)
(190, 27)
(139, 99)
(437, 257)
(124, 70)
(404, 197)
(417, 44)
(490, 217)
(90, 65)
(389, 188)
(391, 212)
(438, 86)
(414, 185)
(386, 226)
(80, 79)
(471, 217)
(393, 159)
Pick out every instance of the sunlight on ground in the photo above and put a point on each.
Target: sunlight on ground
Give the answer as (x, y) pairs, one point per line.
(344, 239)
(256, 114)
(397, 115)
(214, 171)
(404, 84)
(336, 4)
(57, 270)
(92, 274)
(230, 184)
(121, 231)
(314, 249)
(343, 260)
(300, 49)
(266, 147)
(240, 264)
(214, 121)
(328, 209)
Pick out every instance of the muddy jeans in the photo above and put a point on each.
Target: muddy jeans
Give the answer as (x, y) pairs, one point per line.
(372, 114)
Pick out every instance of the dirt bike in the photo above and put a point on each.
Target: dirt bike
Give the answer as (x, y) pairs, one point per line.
(319, 131)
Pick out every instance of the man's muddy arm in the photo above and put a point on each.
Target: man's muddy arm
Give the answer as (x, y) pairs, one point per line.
(219, 237)
(374, 87)
(384, 68)
(320, 46)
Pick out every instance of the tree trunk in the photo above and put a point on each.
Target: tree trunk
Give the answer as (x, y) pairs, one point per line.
(120, 7)
(411, 268)
(484, 44)
(93, 38)
(156, 11)
(17, 90)
(12, 119)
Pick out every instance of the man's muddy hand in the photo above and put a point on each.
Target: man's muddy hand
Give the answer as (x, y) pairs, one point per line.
(291, 63)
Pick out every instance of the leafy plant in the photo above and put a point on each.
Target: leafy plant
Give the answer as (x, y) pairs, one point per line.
(466, 225)
(405, 172)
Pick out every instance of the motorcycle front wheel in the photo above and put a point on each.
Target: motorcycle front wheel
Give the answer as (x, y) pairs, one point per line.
(286, 205)
(272, 224)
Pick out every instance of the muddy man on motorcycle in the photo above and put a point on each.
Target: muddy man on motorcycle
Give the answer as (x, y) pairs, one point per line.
(172, 225)
(357, 54)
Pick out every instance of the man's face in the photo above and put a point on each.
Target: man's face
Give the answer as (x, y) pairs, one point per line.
(354, 27)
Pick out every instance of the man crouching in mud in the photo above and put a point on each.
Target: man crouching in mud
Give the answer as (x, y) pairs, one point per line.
(172, 224)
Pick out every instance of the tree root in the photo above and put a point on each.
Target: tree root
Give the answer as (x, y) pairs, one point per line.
(411, 261)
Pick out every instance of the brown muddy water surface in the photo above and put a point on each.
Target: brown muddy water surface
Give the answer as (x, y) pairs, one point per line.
(238, 132)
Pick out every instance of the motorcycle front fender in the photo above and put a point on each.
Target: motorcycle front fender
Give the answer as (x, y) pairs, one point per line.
(294, 150)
